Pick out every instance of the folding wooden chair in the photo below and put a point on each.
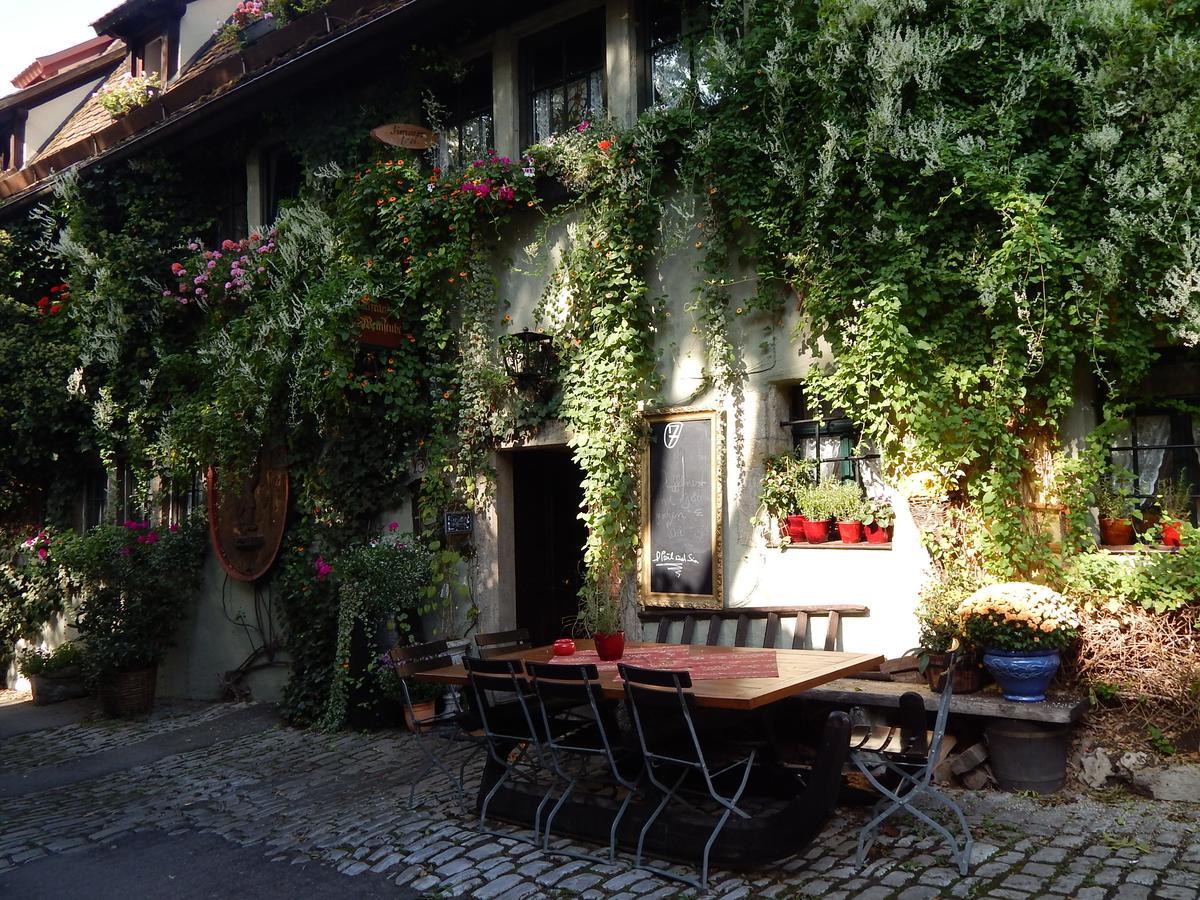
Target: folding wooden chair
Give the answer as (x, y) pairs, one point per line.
(661, 705)
(497, 643)
(908, 753)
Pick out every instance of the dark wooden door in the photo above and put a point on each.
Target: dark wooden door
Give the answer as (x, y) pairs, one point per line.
(548, 539)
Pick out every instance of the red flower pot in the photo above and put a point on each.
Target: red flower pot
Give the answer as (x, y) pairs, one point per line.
(816, 532)
(850, 532)
(877, 534)
(609, 647)
(1116, 532)
(793, 527)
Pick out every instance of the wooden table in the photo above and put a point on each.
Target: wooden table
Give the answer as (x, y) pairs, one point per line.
(787, 814)
(798, 671)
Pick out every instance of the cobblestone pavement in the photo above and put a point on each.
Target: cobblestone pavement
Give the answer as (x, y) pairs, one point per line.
(341, 801)
(61, 745)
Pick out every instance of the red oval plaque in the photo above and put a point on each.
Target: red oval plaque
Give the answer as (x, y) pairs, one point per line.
(247, 529)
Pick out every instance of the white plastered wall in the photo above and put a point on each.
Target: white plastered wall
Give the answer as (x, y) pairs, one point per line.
(46, 118)
(202, 18)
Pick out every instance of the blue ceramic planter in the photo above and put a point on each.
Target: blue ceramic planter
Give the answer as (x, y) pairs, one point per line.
(1023, 675)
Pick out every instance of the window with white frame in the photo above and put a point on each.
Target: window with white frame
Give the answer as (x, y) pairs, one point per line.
(563, 71)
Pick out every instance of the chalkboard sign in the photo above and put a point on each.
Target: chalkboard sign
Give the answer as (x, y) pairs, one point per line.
(682, 498)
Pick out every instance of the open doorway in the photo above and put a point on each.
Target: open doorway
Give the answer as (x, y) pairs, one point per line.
(548, 539)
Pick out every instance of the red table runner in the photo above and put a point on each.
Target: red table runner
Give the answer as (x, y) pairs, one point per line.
(702, 667)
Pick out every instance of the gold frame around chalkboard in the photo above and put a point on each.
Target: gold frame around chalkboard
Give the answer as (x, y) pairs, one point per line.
(715, 600)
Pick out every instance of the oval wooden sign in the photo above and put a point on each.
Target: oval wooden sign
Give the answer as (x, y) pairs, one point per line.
(247, 529)
(410, 137)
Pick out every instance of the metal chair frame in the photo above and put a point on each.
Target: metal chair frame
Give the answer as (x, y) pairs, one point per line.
(551, 683)
(488, 677)
(666, 682)
(915, 771)
(410, 661)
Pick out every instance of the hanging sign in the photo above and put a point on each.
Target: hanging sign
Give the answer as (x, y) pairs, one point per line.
(376, 327)
(410, 137)
(682, 503)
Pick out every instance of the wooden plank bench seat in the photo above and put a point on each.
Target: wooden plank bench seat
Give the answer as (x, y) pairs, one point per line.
(1058, 708)
(775, 619)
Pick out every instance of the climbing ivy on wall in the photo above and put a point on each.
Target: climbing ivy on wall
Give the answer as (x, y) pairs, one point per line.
(970, 202)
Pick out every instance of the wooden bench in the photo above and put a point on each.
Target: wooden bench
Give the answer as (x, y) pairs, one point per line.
(1058, 709)
(774, 618)
(1061, 709)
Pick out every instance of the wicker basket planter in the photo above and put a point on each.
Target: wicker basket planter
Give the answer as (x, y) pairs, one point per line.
(129, 693)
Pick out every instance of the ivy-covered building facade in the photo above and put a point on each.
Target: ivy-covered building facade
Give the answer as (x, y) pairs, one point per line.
(474, 274)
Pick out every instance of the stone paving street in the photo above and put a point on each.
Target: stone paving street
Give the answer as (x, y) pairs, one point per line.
(339, 801)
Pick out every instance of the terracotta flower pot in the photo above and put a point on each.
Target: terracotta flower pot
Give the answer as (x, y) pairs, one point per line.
(816, 532)
(609, 647)
(1116, 532)
(850, 532)
(1170, 534)
(968, 677)
(421, 709)
(793, 527)
(877, 534)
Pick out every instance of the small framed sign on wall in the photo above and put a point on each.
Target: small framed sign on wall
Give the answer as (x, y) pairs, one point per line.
(683, 498)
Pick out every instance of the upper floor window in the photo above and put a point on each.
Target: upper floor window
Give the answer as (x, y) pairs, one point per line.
(673, 32)
(564, 75)
(467, 109)
(1159, 440)
(156, 52)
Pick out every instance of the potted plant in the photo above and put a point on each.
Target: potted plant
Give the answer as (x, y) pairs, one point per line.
(1175, 504)
(938, 625)
(133, 584)
(1023, 629)
(786, 479)
(1117, 511)
(423, 696)
(851, 510)
(251, 19)
(599, 617)
(820, 506)
(54, 675)
(878, 525)
(383, 586)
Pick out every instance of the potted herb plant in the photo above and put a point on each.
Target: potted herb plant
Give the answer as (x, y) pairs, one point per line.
(1023, 629)
(878, 525)
(54, 675)
(820, 507)
(851, 510)
(1175, 504)
(938, 625)
(599, 616)
(1117, 511)
(133, 584)
(785, 482)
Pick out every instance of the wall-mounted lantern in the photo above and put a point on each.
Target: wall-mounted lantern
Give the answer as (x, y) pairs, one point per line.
(528, 357)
